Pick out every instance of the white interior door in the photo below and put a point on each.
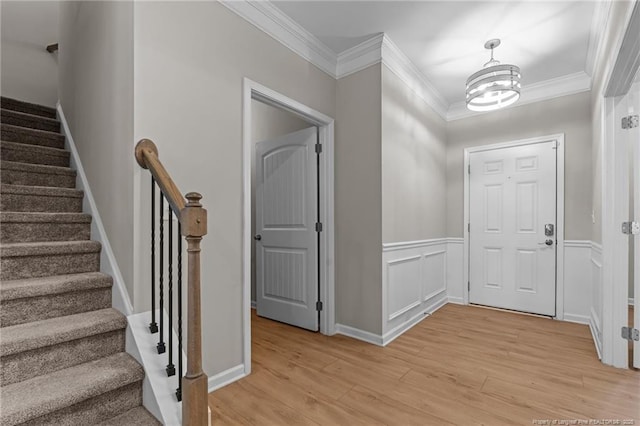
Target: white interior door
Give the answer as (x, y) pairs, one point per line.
(287, 241)
(512, 201)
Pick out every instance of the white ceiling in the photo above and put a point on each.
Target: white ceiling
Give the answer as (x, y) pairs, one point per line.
(445, 39)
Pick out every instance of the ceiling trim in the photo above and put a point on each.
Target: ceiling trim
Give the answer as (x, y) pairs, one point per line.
(553, 88)
(381, 48)
(359, 57)
(267, 17)
(401, 65)
(598, 24)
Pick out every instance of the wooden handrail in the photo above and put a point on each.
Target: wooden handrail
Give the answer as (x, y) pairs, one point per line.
(193, 221)
(147, 157)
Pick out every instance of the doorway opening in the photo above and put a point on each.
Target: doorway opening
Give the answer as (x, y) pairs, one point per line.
(288, 237)
(514, 233)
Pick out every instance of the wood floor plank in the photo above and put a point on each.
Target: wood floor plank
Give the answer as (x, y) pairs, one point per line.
(463, 365)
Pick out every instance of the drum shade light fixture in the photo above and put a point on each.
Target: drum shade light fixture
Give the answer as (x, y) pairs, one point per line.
(495, 86)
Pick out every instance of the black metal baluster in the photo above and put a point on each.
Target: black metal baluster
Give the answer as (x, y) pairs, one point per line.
(161, 346)
(171, 369)
(179, 390)
(153, 326)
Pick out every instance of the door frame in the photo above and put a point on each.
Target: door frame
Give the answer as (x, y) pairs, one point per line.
(252, 90)
(559, 138)
(623, 62)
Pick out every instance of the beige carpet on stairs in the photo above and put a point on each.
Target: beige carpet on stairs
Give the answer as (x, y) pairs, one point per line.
(62, 345)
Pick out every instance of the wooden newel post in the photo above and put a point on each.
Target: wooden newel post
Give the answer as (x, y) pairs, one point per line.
(195, 408)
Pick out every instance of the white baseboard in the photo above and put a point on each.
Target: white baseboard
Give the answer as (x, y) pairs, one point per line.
(158, 390)
(455, 300)
(226, 377)
(108, 263)
(431, 307)
(358, 334)
(631, 301)
(579, 319)
(593, 327)
(253, 304)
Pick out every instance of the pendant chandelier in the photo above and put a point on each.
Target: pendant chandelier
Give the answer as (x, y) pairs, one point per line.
(495, 86)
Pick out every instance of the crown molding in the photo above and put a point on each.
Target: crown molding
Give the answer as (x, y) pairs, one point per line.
(268, 18)
(553, 88)
(359, 57)
(402, 66)
(598, 24)
(380, 48)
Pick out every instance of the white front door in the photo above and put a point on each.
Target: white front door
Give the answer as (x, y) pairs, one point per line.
(287, 241)
(512, 238)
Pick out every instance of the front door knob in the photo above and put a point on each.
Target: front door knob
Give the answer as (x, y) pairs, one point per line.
(257, 237)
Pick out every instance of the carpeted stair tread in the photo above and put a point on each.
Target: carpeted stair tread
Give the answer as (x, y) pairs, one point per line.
(59, 217)
(27, 107)
(49, 332)
(44, 191)
(17, 173)
(138, 416)
(31, 121)
(37, 168)
(57, 284)
(48, 248)
(34, 154)
(25, 135)
(41, 226)
(51, 392)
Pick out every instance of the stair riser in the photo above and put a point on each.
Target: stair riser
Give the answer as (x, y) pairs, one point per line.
(18, 177)
(30, 122)
(34, 157)
(39, 203)
(14, 105)
(25, 365)
(14, 268)
(21, 232)
(94, 410)
(31, 137)
(20, 311)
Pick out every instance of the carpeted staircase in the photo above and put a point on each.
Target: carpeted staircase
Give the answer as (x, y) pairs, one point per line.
(61, 343)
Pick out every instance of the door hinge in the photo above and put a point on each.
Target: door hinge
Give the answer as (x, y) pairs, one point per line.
(631, 334)
(318, 226)
(468, 285)
(469, 169)
(468, 227)
(630, 228)
(630, 122)
(318, 305)
(318, 148)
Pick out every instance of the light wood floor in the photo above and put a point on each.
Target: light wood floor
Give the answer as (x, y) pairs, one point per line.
(464, 365)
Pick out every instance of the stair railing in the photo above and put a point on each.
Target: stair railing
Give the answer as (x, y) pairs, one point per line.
(192, 225)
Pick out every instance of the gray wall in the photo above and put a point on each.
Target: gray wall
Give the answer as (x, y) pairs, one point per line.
(191, 58)
(96, 94)
(28, 71)
(414, 165)
(570, 115)
(267, 122)
(358, 200)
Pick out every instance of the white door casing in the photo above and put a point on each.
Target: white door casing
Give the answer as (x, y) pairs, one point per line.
(634, 141)
(286, 216)
(512, 196)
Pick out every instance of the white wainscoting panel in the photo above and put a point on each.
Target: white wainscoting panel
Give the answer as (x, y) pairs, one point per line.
(414, 284)
(455, 273)
(595, 313)
(577, 281)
